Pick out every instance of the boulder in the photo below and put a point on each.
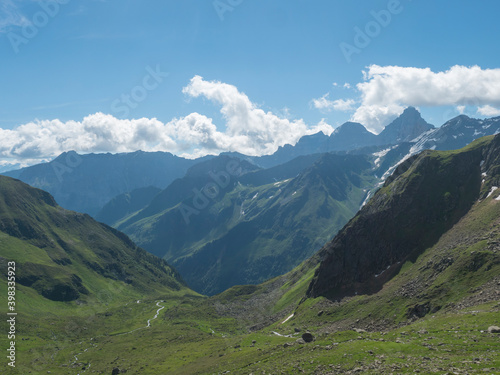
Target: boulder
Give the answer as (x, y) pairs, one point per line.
(307, 337)
(494, 329)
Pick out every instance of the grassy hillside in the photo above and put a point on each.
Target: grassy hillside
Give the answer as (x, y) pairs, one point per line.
(67, 256)
(431, 315)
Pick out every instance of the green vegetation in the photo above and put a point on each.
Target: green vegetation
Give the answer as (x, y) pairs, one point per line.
(430, 316)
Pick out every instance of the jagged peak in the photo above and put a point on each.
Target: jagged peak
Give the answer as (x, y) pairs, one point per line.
(409, 113)
(406, 127)
(411, 110)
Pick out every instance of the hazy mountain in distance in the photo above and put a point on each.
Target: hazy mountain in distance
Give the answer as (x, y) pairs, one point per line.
(457, 133)
(125, 204)
(351, 136)
(212, 177)
(85, 183)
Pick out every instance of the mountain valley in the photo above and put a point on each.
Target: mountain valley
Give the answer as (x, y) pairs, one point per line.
(408, 284)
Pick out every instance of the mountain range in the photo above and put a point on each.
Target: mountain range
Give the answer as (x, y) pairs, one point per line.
(85, 183)
(274, 213)
(352, 136)
(414, 273)
(253, 229)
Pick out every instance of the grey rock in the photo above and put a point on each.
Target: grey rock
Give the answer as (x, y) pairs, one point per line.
(494, 329)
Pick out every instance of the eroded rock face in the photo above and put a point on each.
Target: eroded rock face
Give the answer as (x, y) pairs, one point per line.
(423, 199)
(405, 128)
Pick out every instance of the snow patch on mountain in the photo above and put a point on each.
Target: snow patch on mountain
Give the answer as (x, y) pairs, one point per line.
(380, 155)
(493, 188)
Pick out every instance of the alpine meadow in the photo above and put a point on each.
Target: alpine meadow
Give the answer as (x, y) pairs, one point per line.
(249, 187)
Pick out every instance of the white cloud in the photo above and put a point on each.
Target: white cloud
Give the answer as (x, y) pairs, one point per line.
(251, 130)
(488, 111)
(248, 130)
(324, 127)
(388, 89)
(96, 133)
(327, 105)
(376, 117)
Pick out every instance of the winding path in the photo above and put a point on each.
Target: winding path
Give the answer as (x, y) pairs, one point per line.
(149, 320)
(124, 333)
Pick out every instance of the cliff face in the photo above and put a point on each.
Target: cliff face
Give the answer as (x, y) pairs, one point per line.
(424, 198)
(405, 128)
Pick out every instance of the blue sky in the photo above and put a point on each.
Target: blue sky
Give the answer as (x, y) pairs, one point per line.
(244, 75)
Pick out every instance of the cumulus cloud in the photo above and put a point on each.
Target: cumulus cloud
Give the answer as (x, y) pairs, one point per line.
(387, 90)
(96, 133)
(324, 127)
(376, 117)
(327, 105)
(193, 134)
(248, 129)
(488, 110)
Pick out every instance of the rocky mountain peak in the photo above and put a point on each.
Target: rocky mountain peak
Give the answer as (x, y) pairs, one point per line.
(408, 126)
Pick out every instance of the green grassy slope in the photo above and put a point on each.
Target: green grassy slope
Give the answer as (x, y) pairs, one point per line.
(431, 316)
(67, 256)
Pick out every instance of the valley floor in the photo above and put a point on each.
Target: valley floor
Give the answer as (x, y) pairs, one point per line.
(189, 337)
